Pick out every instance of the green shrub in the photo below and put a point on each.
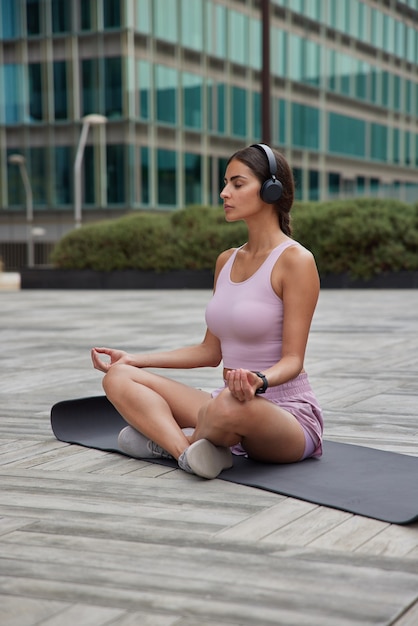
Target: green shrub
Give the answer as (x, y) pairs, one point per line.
(363, 237)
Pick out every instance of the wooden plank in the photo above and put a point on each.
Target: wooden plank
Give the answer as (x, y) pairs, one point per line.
(305, 529)
(408, 617)
(352, 534)
(263, 524)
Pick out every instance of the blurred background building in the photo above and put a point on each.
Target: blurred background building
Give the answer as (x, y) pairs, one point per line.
(181, 85)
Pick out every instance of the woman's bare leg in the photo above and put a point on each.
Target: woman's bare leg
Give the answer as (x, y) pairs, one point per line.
(156, 406)
(267, 432)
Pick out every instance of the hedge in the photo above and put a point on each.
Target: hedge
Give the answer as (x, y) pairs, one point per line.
(360, 237)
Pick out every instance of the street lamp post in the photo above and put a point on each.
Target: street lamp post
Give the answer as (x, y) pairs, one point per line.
(94, 119)
(20, 161)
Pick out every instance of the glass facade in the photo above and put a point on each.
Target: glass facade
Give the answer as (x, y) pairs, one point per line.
(180, 82)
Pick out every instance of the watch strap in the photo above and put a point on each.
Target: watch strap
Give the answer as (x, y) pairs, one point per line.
(265, 385)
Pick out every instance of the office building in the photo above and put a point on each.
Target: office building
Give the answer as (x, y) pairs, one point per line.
(180, 83)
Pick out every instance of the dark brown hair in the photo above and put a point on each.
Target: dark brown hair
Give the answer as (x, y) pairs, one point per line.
(257, 161)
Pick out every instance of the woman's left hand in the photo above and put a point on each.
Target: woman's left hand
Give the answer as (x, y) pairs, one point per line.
(242, 384)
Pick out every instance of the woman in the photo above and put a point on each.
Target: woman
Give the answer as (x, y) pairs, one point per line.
(258, 323)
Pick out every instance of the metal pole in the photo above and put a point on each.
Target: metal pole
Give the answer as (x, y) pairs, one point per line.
(77, 173)
(29, 213)
(19, 159)
(265, 73)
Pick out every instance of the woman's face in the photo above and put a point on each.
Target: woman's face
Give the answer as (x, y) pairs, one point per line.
(241, 192)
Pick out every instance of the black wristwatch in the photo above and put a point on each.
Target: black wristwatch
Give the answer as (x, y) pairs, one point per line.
(265, 383)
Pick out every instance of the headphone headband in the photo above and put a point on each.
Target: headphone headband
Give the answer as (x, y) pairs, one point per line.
(270, 156)
(272, 189)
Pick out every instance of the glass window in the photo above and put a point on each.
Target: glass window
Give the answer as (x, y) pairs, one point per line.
(90, 86)
(61, 16)
(257, 113)
(346, 70)
(89, 175)
(113, 86)
(346, 135)
(334, 184)
(144, 83)
(33, 24)
(165, 20)
(216, 30)
(332, 70)
(239, 111)
(192, 100)
(386, 90)
(360, 185)
(166, 177)
(296, 58)
(305, 126)
(396, 151)
(63, 176)
(416, 150)
(400, 39)
(238, 37)
(375, 85)
(379, 142)
(363, 22)
(145, 179)
(397, 92)
(193, 178)
(408, 97)
(60, 90)
(111, 13)
(407, 148)
(389, 33)
(38, 175)
(411, 44)
(35, 91)
(216, 107)
(282, 122)
(377, 28)
(311, 63)
(12, 93)
(166, 92)
(298, 178)
(143, 16)
(278, 44)
(86, 14)
(16, 190)
(10, 19)
(361, 80)
(313, 185)
(115, 157)
(255, 60)
(313, 9)
(192, 24)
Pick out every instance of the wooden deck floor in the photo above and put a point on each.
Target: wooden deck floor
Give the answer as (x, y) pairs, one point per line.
(89, 538)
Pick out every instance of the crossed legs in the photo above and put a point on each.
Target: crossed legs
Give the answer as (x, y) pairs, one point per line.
(159, 408)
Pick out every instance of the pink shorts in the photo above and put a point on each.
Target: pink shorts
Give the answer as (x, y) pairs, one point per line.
(296, 397)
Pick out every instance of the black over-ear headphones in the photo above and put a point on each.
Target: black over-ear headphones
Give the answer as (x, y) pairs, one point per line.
(272, 189)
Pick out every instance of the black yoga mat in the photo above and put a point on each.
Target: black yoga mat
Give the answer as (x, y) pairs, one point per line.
(377, 484)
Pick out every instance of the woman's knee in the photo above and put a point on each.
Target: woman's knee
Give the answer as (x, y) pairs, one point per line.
(222, 412)
(114, 377)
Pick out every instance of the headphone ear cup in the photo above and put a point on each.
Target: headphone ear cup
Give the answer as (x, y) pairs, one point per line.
(271, 191)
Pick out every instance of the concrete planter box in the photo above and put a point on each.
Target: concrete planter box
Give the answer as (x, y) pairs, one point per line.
(49, 278)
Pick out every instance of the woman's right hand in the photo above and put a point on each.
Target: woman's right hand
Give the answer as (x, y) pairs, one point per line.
(115, 356)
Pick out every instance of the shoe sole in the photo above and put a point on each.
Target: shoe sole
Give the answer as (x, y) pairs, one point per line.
(207, 460)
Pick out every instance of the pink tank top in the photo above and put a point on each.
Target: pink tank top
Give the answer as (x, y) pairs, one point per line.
(247, 317)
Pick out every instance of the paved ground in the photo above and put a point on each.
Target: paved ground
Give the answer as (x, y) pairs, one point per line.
(91, 538)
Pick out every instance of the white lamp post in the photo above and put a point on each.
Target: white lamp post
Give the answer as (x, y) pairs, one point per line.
(20, 161)
(94, 119)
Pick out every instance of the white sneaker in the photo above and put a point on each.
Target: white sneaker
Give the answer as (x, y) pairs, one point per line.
(205, 459)
(135, 444)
